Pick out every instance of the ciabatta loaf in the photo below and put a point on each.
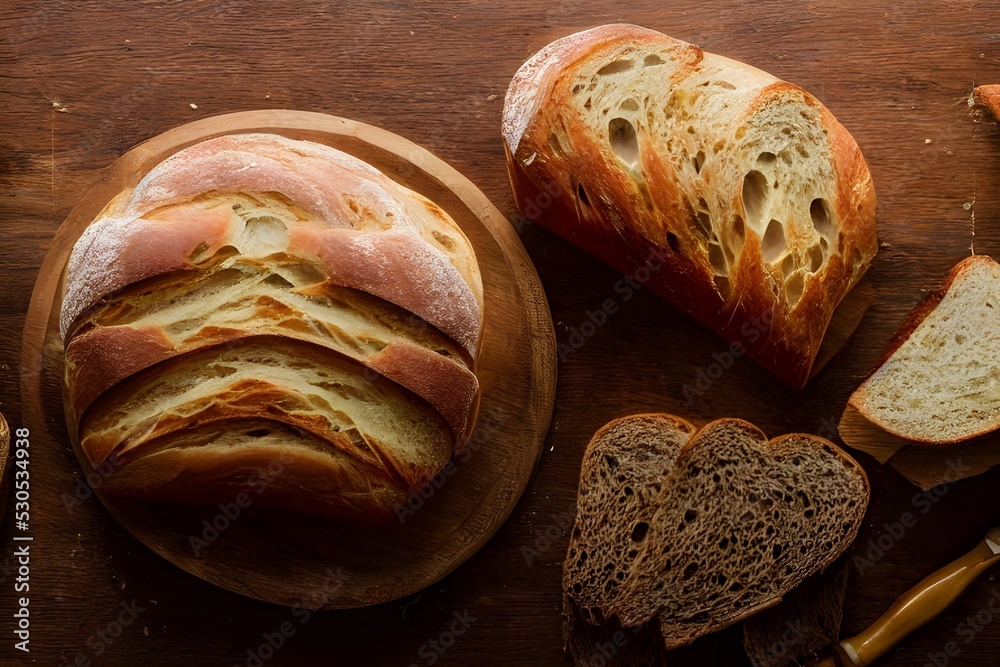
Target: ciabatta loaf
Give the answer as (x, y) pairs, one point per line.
(939, 382)
(736, 522)
(257, 297)
(736, 196)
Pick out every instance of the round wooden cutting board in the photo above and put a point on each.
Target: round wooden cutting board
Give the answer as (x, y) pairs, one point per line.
(312, 562)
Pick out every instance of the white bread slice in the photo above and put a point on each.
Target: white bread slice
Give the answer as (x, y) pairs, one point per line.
(745, 193)
(939, 383)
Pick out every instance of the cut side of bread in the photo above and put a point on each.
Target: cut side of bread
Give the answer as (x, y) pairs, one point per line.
(239, 297)
(749, 198)
(741, 522)
(738, 522)
(623, 472)
(939, 383)
(622, 475)
(304, 386)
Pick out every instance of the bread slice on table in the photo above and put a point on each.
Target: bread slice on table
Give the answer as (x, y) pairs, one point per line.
(736, 196)
(939, 382)
(719, 524)
(622, 474)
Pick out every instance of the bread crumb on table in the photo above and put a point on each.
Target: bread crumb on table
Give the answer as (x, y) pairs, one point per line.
(193, 105)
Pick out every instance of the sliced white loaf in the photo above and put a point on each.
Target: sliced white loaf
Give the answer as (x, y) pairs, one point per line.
(743, 191)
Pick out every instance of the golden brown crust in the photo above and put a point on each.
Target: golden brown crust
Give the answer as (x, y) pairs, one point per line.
(629, 222)
(989, 94)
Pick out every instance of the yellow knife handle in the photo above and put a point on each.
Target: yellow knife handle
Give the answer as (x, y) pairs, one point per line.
(919, 605)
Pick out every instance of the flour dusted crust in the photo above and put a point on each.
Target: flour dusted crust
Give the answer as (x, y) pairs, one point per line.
(634, 145)
(328, 314)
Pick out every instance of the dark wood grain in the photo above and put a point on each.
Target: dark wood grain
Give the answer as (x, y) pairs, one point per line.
(895, 73)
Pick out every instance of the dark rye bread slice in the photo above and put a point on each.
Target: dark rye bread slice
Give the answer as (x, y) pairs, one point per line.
(740, 522)
(622, 474)
(807, 622)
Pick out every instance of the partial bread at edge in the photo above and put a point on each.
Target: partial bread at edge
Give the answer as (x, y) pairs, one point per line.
(939, 383)
(740, 194)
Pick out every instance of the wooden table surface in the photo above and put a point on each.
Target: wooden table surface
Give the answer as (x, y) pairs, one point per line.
(81, 82)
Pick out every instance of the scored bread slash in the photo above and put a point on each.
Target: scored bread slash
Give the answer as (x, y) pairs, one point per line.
(694, 530)
(258, 302)
(632, 144)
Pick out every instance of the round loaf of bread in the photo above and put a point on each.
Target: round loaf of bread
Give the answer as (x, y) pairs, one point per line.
(266, 314)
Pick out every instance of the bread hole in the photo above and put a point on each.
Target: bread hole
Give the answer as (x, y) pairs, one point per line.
(628, 491)
(766, 158)
(639, 531)
(722, 286)
(735, 587)
(556, 145)
(725, 85)
(716, 477)
(258, 433)
(801, 150)
(724, 543)
(581, 193)
(773, 244)
(698, 161)
(577, 587)
(652, 60)
(691, 129)
(960, 339)
(741, 132)
(611, 461)
(690, 570)
(703, 222)
(816, 257)
(820, 214)
(577, 88)
(855, 258)
(623, 140)
(717, 259)
(755, 197)
(446, 241)
(747, 516)
(632, 553)
(794, 288)
(629, 105)
(776, 551)
(262, 236)
(769, 532)
(616, 67)
(197, 253)
(674, 242)
(690, 515)
(719, 145)
(589, 104)
(787, 264)
(810, 513)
